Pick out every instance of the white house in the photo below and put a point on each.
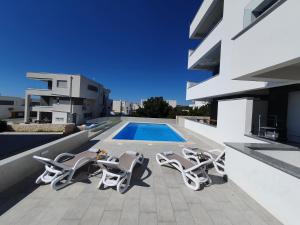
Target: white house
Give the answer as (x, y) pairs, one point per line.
(67, 98)
(11, 107)
(251, 48)
(121, 106)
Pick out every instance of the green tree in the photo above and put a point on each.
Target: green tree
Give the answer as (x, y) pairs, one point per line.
(155, 107)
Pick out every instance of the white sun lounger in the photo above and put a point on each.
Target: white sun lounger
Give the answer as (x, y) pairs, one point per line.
(217, 156)
(60, 171)
(118, 171)
(192, 170)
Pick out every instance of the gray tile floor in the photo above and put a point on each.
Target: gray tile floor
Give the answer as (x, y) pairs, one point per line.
(157, 196)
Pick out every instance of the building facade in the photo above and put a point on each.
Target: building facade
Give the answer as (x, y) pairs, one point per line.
(252, 52)
(121, 107)
(251, 49)
(67, 98)
(11, 107)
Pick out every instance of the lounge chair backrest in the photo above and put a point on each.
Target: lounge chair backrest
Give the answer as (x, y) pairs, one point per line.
(50, 162)
(127, 161)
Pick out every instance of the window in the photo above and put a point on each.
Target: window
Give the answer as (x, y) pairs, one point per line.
(61, 84)
(77, 101)
(263, 7)
(92, 88)
(256, 9)
(6, 102)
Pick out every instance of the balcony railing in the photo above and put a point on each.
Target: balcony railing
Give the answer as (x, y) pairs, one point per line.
(191, 84)
(191, 51)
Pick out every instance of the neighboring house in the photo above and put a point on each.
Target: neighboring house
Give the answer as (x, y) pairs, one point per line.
(67, 98)
(135, 106)
(252, 50)
(172, 103)
(197, 104)
(11, 107)
(121, 107)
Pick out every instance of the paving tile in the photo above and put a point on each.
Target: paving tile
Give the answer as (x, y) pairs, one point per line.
(68, 222)
(110, 218)
(130, 213)
(218, 217)
(147, 201)
(115, 202)
(184, 218)
(199, 214)
(94, 212)
(177, 199)
(165, 211)
(166, 223)
(147, 218)
(79, 207)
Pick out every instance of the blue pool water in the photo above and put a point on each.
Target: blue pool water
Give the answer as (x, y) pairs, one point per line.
(148, 132)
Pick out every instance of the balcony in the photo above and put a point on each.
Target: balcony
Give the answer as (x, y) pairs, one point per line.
(209, 14)
(207, 54)
(268, 49)
(39, 92)
(42, 108)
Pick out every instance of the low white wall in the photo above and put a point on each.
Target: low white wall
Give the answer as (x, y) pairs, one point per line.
(275, 190)
(234, 121)
(18, 167)
(208, 131)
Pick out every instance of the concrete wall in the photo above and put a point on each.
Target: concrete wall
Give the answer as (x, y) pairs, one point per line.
(59, 117)
(273, 189)
(16, 168)
(234, 121)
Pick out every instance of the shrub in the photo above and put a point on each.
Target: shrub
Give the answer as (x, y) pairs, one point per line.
(3, 125)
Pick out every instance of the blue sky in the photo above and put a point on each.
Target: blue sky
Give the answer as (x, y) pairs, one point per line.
(137, 48)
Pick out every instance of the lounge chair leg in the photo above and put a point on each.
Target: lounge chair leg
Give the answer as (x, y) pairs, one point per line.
(56, 186)
(123, 184)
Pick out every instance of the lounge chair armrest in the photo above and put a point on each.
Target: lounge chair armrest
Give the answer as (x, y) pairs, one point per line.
(188, 151)
(111, 159)
(194, 158)
(57, 158)
(208, 155)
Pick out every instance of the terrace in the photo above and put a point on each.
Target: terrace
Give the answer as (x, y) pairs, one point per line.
(157, 195)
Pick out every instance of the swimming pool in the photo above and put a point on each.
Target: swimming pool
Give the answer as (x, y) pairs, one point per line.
(148, 132)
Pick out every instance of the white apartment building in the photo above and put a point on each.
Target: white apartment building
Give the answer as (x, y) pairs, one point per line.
(252, 50)
(11, 107)
(67, 98)
(121, 106)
